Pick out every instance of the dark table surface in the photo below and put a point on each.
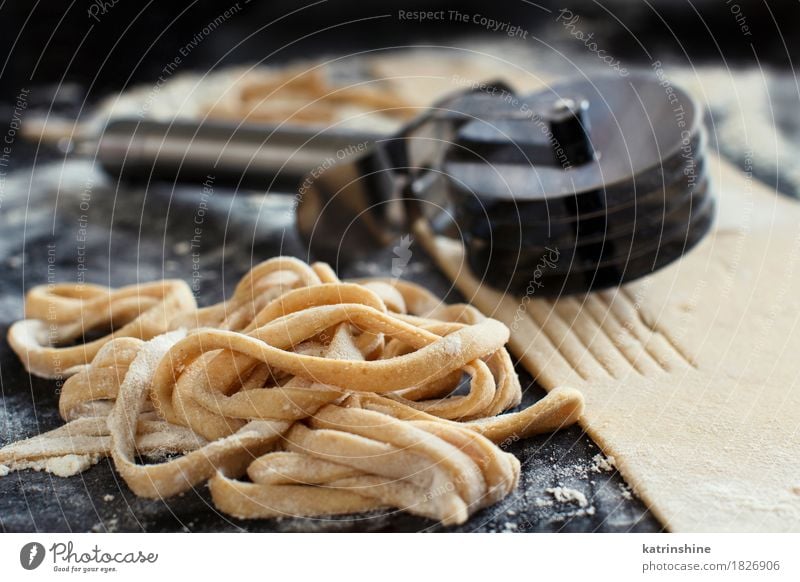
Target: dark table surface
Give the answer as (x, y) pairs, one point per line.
(136, 235)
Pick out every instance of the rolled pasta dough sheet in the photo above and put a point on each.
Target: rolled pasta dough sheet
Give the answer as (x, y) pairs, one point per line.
(690, 375)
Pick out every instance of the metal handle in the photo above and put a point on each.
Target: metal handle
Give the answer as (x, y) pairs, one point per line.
(248, 156)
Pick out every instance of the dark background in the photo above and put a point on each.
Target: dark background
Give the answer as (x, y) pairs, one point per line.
(58, 42)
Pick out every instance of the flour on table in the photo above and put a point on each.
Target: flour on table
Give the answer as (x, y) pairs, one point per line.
(567, 495)
(601, 463)
(626, 491)
(65, 466)
(108, 526)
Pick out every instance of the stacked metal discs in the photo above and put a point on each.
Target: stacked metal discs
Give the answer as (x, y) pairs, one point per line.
(585, 185)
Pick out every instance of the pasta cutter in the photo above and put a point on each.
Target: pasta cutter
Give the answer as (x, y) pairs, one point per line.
(586, 184)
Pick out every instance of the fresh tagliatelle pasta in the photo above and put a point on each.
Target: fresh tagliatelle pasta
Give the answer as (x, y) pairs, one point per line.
(301, 395)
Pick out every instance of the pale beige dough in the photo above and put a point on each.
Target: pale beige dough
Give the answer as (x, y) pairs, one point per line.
(690, 375)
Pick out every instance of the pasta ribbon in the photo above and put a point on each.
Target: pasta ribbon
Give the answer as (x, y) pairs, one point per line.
(329, 397)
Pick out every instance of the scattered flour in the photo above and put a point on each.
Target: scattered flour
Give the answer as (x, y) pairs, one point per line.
(108, 497)
(109, 526)
(625, 491)
(581, 512)
(64, 466)
(603, 464)
(567, 495)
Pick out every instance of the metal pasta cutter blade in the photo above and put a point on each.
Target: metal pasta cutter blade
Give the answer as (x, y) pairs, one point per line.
(587, 184)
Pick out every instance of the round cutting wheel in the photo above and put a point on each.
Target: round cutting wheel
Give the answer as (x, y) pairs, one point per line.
(609, 172)
(558, 271)
(655, 214)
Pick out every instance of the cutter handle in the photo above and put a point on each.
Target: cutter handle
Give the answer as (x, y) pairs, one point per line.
(247, 156)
